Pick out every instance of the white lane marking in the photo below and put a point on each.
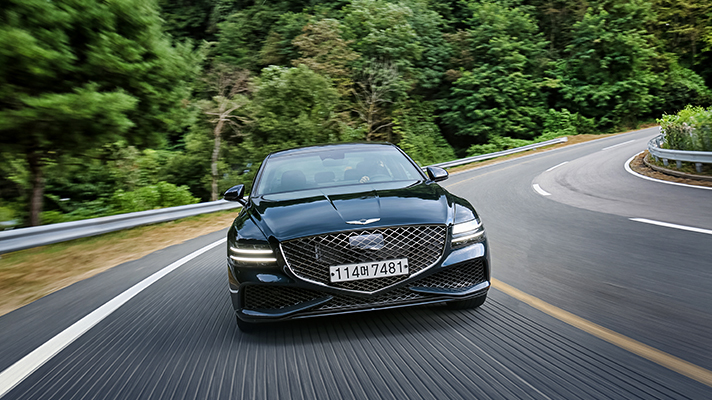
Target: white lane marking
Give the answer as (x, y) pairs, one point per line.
(539, 190)
(17, 372)
(669, 225)
(627, 168)
(616, 145)
(556, 166)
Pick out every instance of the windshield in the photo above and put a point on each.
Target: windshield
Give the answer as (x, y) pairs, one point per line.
(335, 167)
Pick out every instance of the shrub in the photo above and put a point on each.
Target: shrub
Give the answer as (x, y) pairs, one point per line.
(6, 214)
(497, 143)
(8, 218)
(564, 123)
(556, 124)
(419, 136)
(160, 195)
(79, 211)
(690, 129)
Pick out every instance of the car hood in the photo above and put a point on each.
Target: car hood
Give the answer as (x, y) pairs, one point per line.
(312, 212)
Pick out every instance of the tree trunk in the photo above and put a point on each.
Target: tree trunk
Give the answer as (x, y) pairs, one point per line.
(34, 159)
(214, 165)
(370, 122)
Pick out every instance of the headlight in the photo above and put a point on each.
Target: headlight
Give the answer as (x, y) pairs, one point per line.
(252, 254)
(467, 229)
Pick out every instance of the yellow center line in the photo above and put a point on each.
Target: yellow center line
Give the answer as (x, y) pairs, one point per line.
(666, 360)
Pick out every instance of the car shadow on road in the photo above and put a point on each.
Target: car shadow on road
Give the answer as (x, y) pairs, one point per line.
(378, 324)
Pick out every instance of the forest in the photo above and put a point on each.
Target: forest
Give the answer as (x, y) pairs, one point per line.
(116, 106)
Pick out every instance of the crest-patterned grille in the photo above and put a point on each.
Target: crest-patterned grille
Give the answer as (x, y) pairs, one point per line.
(461, 276)
(311, 257)
(265, 297)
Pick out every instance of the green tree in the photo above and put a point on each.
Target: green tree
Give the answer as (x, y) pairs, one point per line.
(279, 47)
(187, 19)
(79, 72)
(242, 35)
(607, 74)
(428, 25)
(556, 19)
(192, 165)
(502, 94)
(230, 87)
(293, 107)
(377, 87)
(324, 51)
(677, 87)
(684, 25)
(381, 31)
(419, 135)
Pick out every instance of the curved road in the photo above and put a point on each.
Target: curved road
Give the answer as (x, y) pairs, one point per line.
(571, 228)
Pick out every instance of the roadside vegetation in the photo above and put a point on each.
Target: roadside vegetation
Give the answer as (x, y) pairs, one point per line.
(689, 130)
(116, 106)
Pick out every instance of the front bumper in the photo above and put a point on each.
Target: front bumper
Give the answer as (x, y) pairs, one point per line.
(263, 297)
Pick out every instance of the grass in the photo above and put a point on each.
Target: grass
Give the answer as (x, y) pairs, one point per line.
(28, 275)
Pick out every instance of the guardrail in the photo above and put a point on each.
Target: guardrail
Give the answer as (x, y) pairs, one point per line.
(483, 157)
(24, 238)
(697, 157)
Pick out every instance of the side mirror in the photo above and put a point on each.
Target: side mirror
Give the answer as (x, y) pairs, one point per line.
(436, 174)
(235, 193)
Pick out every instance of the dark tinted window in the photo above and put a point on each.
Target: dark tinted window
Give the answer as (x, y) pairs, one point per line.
(335, 167)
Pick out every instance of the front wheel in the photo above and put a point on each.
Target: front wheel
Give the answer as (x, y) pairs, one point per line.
(467, 304)
(245, 326)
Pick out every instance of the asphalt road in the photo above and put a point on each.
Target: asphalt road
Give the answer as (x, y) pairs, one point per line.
(570, 242)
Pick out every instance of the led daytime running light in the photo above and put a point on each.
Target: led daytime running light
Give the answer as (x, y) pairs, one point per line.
(250, 251)
(466, 227)
(253, 259)
(468, 237)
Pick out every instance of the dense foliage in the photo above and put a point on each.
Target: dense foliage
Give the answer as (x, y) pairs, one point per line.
(690, 129)
(119, 105)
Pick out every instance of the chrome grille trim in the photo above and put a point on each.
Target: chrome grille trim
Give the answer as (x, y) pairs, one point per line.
(309, 258)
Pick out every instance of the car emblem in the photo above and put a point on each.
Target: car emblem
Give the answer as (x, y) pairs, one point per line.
(363, 221)
(373, 241)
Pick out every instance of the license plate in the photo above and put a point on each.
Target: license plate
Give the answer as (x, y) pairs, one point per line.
(369, 270)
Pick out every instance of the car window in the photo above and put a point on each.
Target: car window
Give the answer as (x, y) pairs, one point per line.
(334, 167)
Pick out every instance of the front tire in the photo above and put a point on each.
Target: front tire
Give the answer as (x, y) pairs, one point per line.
(467, 304)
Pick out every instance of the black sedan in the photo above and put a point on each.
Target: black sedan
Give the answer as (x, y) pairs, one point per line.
(346, 228)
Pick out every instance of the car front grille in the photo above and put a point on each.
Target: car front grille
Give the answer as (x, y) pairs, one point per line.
(273, 297)
(462, 276)
(266, 297)
(310, 257)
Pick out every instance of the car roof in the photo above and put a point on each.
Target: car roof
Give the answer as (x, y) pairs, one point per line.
(340, 146)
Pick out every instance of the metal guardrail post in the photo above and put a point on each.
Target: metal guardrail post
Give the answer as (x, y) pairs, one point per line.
(24, 238)
(696, 157)
(468, 160)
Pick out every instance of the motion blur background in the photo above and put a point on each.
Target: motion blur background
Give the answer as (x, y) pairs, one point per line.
(125, 105)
